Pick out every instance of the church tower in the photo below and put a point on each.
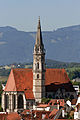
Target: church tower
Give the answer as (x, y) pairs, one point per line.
(39, 66)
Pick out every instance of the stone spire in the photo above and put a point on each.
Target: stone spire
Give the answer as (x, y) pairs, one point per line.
(39, 35)
(39, 67)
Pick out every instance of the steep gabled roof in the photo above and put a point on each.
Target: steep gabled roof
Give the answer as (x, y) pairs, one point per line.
(21, 79)
(10, 85)
(53, 113)
(56, 76)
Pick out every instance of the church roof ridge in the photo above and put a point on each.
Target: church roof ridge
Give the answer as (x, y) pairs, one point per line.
(23, 78)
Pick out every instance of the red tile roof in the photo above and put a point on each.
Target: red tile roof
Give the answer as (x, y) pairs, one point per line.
(38, 114)
(74, 101)
(51, 115)
(43, 105)
(21, 79)
(13, 116)
(29, 94)
(61, 102)
(3, 116)
(56, 76)
(46, 117)
(10, 86)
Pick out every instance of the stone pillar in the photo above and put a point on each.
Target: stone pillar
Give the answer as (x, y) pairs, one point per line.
(3, 101)
(16, 107)
(11, 100)
(24, 99)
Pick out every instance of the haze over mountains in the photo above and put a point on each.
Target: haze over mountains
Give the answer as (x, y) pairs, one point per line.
(62, 44)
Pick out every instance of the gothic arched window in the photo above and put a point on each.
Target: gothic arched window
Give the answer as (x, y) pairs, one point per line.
(37, 65)
(6, 101)
(14, 101)
(37, 75)
(20, 101)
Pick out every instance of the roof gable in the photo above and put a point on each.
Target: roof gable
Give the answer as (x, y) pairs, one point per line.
(10, 85)
(21, 80)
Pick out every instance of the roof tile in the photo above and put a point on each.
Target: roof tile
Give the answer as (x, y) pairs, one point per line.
(21, 79)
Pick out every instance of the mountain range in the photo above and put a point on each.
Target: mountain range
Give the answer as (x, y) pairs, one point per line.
(17, 46)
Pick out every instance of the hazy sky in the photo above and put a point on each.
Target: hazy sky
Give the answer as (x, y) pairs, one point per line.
(23, 14)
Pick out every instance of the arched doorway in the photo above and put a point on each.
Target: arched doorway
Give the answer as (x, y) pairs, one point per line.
(20, 101)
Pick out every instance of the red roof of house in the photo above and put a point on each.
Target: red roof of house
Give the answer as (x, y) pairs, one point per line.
(61, 102)
(13, 116)
(43, 105)
(74, 101)
(51, 115)
(27, 114)
(21, 79)
(3, 116)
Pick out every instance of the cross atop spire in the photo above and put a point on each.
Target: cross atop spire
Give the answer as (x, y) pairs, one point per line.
(39, 34)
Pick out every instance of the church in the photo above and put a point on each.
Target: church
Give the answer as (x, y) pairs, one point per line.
(25, 87)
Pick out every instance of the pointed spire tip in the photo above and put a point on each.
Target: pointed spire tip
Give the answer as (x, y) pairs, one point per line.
(39, 18)
(39, 23)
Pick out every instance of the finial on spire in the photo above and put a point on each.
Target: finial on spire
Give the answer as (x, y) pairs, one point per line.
(39, 34)
(39, 22)
(39, 18)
